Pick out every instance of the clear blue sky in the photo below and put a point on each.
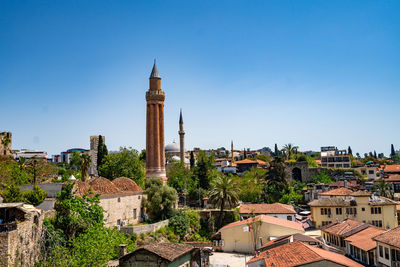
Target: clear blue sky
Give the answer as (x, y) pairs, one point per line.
(312, 73)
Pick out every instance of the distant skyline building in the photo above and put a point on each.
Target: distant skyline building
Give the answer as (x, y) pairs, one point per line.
(155, 154)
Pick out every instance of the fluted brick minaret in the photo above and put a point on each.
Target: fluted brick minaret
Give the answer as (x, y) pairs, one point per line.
(155, 153)
(181, 139)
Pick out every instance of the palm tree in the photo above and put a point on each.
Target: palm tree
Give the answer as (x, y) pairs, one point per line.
(85, 163)
(290, 149)
(383, 188)
(224, 192)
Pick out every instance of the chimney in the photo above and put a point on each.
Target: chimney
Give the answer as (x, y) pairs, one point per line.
(122, 250)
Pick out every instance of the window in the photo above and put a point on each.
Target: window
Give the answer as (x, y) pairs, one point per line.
(134, 214)
(138, 197)
(325, 211)
(338, 211)
(289, 218)
(118, 222)
(376, 210)
(363, 209)
(380, 251)
(386, 253)
(371, 172)
(119, 199)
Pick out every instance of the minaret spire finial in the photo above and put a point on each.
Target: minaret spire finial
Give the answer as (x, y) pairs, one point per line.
(180, 118)
(154, 71)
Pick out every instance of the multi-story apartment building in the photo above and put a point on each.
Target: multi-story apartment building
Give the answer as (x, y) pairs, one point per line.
(388, 248)
(30, 154)
(333, 158)
(361, 207)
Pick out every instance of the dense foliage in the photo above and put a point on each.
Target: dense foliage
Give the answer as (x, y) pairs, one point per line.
(14, 194)
(160, 199)
(126, 163)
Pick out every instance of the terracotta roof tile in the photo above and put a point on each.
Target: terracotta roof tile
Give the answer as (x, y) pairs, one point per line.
(341, 191)
(126, 185)
(267, 219)
(105, 187)
(363, 239)
(296, 237)
(391, 237)
(390, 168)
(344, 228)
(393, 178)
(275, 208)
(168, 251)
(246, 161)
(298, 254)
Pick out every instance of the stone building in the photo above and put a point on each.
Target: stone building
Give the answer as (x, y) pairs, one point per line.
(155, 155)
(5, 143)
(94, 149)
(121, 199)
(162, 254)
(20, 232)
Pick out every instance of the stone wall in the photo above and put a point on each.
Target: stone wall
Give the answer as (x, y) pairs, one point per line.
(147, 228)
(20, 247)
(121, 207)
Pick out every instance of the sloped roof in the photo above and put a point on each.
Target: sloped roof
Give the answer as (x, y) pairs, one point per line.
(393, 178)
(105, 187)
(126, 185)
(266, 219)
(329, 202)
(298, 254)
(246, 161)
(296, 237)
(263, 208)
(344, 228)
(391, 237)
(341, 191)
(168, 251)
(363, 239)
(390, 168)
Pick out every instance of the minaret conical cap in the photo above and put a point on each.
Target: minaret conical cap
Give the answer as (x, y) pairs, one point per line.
(180, 118)
(154, 71)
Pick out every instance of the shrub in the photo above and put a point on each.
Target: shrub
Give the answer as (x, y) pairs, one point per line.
(180, 224)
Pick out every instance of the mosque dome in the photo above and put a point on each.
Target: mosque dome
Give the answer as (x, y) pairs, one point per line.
(172, 148)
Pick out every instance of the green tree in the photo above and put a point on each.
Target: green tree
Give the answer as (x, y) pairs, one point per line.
(35, 196)
(85, 164)
(160, 199)
(76, 160)
(180, 177)
(392, 151)
(383, 188)
(192, 161)
(75, 214)
(275, 182)
(224, 193)
(13, 194)
(180, 224)
(311, 162)
(290, 150)
(323, 178)
(251, 185)
(301, 158)
(204, 166)
(126, 163)
(102, 152)
(349, 150)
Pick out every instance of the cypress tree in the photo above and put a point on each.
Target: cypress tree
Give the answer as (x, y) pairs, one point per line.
(375, 156)
(191, 160)
(101, 151)
(349, 151)
(392, 152)
(276, 150)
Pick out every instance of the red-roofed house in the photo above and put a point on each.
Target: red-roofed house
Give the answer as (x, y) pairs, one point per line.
(248, 235)
(361, 246)
(277, 210)
(300, 254)
(388, 248)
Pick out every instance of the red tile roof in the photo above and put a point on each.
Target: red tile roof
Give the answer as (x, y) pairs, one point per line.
(267, 219)
(390, 168)
(275, 208)
(361, 193)
(341, 191)
(105, 187)
(363, 239)
(393, 178)
(391, 237)
(168, 251)
(246, 161)
(344, 228)
(299, 254)
(285, 239)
